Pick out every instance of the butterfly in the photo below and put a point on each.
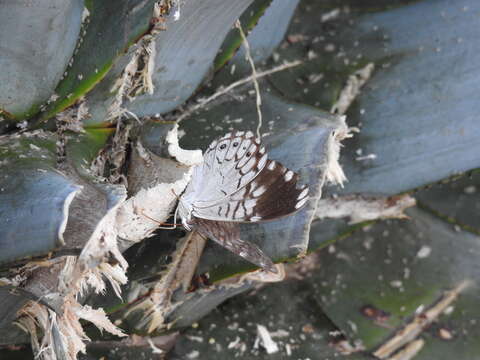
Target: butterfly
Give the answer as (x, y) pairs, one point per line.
(237, 183)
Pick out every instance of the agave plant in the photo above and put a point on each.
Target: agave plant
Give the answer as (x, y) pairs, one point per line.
(93, 158)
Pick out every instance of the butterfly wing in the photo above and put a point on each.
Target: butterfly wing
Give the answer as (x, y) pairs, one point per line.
(237, 183)
(227, 234)
(230, 163)
(272, 194)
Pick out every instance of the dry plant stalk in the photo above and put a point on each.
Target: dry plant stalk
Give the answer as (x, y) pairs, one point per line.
(249, 58)
(203, 102)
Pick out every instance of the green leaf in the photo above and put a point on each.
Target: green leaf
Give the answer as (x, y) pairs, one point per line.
(233, 40)
(11, 302)
(61, 204)
(113, 25)
(396, 267)
(185, 52)
(456, 201)
(182, 57)
(417, 113)
(37, 41)
(288, 308)
(263, 39)
(33, 193)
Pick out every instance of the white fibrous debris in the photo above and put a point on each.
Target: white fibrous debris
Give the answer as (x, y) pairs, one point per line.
(265, 340)
(352, 89)
(333, 172)
(176, 14)
(122, 87)
(22, 125)
(155, 349)
(330, 15)
(263, 276)
(72, 336)
(186, 157)
(470, 189)
(396, 283)
(72, 118)
(85, 14)
(424, 252)
(288, 349)
(363, 208)
(53, 98)
(141, 214)
(234, 344)
(366, 157)
(66, 208)
(193, 355)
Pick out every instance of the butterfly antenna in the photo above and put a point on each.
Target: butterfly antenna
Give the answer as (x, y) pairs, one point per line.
(174, 225)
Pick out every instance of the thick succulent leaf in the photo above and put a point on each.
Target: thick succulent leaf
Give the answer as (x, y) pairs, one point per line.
(269, 31)
(233, 40)
(11, 302)
(265, 37)
(85, 147)
(180, 60)
(35, 198)
(373, 283)
(418, 112)
(288, 310)
(145, 348)
(96, 199)
(185, 52)
(457, 201)
(43, 208)
(298, 138)
(328, 231)
(111, 27)
(37, 41)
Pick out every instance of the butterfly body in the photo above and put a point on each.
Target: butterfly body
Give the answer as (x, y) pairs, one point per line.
(238, 183)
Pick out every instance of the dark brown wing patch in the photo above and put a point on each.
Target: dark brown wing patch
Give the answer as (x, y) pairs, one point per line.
(271, 195)
(227, 234)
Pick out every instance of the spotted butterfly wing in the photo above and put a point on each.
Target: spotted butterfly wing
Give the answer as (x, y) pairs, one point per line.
(230, 163)
(227, 234)
(237, 183)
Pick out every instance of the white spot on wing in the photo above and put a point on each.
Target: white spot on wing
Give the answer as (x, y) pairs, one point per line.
(262, 162)
(250, 203)
(249, 165)
(302, 194)
(255, 218)
(249, 134)
(288, 175)
(248, 177)
(272, 165)
(300, 203)
(240, 213)
(259, 191)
